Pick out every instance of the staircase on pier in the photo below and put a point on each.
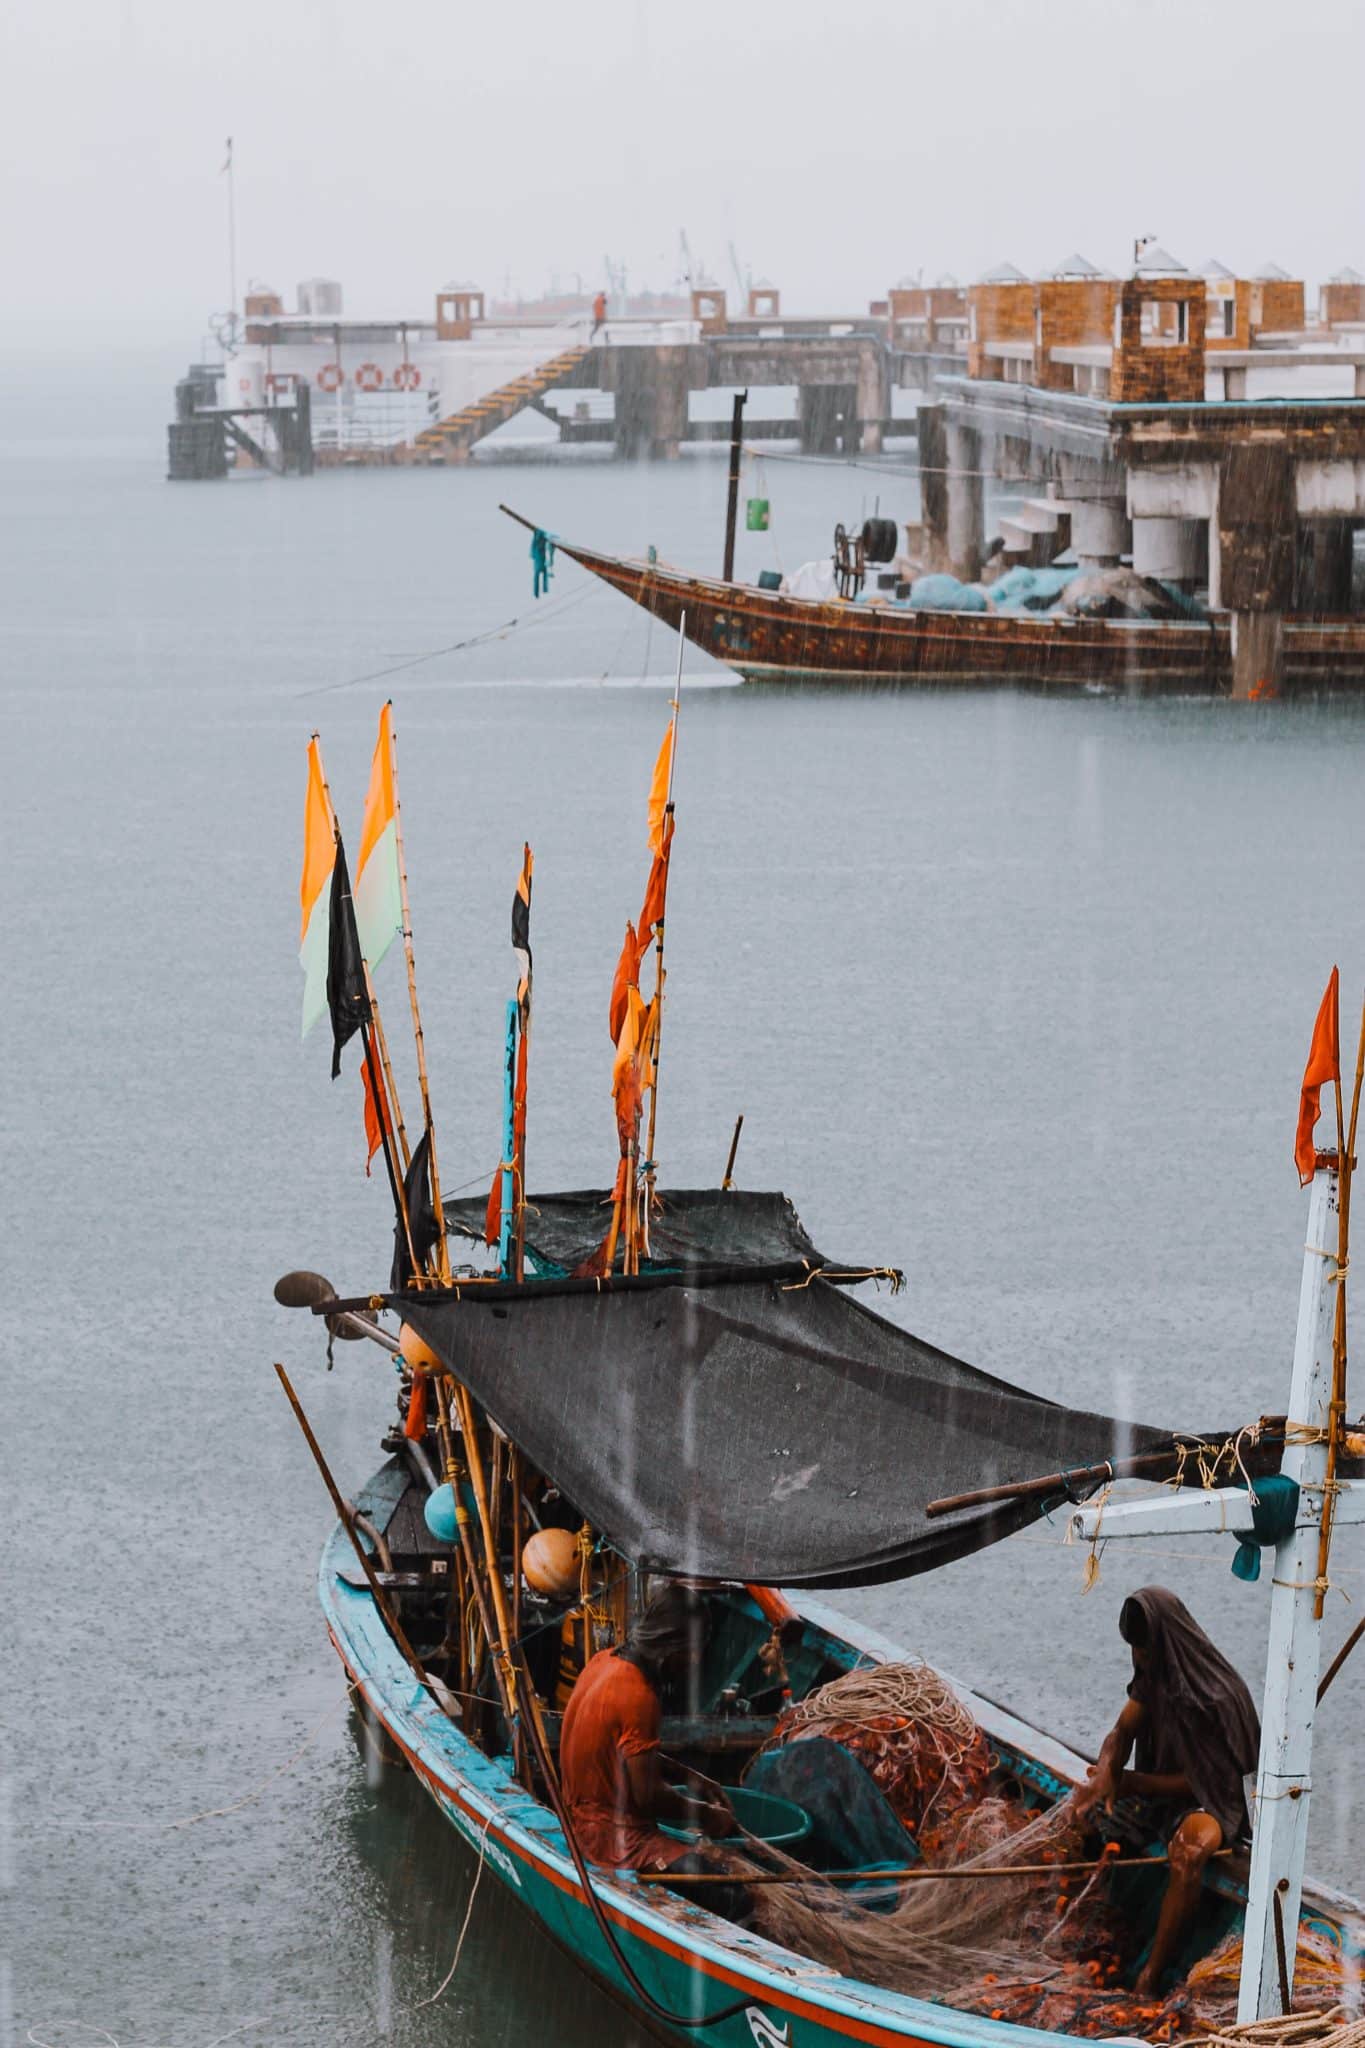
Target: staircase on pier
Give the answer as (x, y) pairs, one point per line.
(451, 439)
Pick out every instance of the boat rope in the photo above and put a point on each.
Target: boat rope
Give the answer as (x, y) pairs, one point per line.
(555, 606)
(444, 1984)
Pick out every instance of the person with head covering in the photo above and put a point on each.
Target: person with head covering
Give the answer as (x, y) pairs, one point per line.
(1193, 1734)
(610, 1778)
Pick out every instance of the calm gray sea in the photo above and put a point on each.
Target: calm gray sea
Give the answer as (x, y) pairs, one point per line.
(1013, 992)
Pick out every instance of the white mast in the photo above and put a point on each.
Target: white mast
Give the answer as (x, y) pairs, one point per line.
(1284, 1777)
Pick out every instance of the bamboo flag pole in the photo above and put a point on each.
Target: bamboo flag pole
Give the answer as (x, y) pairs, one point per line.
(1346, 1146)
(523, 1072)
(442, 1250)
(659, 940)
(390, 1082)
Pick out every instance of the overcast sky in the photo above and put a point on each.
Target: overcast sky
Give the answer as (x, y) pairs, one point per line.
(397, 144)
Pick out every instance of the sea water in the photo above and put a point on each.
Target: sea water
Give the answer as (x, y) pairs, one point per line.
(1013, 991)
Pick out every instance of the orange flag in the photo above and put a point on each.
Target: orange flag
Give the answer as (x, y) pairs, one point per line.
(660, 790)
(376, 1115)
(1324, 1064)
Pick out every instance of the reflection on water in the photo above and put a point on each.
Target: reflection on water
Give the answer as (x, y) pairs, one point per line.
(1012, 991)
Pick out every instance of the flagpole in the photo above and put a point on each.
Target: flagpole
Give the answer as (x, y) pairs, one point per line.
(391, 1083)
(442, 1253)
(522, 1080)
(659, 951)
(386, 1139)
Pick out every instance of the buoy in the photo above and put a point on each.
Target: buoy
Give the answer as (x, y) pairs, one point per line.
(439, 1513)
(407, 377)
(549, 1563)
(416, 1351)
(369, 377)
(329, 377)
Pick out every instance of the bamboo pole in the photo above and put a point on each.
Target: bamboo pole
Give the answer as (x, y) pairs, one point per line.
(728, 1179)
(913, 1873)
(346, 1519)
(1346, 1145)
(523, 1076)
(396, 1187)
(442, 1249)
(466, 1544)
(659, 975)
(383, 1044)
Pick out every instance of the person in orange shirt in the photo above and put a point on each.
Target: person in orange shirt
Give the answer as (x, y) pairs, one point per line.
(599, 314)
(613, 1789)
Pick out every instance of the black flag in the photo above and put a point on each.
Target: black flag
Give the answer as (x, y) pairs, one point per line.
(421, 1216)
(347, 998)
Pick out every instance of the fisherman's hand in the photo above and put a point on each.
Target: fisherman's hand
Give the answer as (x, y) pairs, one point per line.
(716, 1819)
(1098, 1790)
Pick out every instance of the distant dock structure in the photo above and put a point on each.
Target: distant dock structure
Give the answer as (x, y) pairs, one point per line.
(1196, 425)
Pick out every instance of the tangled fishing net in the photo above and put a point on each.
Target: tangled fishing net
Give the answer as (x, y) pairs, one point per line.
(1045, 1948)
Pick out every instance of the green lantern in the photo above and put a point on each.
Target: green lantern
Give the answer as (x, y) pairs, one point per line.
(756, 515)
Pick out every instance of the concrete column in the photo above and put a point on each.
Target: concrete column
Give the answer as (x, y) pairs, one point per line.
(1360, 380)
(1234, 383)
(1169, 548)
(1257, 654)
(1099, 531)
(932, 446)
(966, 503)
(873, 397)
(827, 415)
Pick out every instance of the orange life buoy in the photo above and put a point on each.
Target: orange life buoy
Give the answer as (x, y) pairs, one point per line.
(407, 377)
(369, 377)
(329, 377)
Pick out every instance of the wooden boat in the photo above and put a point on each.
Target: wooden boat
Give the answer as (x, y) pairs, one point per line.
(691, 1961)
(769, 636)
(723, 1409)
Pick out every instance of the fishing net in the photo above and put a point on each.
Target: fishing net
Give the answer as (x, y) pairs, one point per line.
(1001, 1923)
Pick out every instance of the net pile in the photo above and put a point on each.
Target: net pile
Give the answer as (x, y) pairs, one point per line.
(912, 1734)
(1042, 1949)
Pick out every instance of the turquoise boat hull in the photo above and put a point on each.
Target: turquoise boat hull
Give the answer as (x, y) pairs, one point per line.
(692, 1962)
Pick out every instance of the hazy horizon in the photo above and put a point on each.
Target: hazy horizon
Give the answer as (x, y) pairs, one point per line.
(396, 151)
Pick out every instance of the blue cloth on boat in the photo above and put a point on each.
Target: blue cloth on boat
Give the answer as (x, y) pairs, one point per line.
(945, 594)
(1030, 590)
(1274, 1506)
(853, 1824)
(542, 561)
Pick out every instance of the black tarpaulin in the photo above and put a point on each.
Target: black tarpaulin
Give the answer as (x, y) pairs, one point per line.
(759, 1431)
(689, 1227)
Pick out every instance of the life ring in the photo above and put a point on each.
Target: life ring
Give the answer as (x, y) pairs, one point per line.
(329, 377)
(369, 377)
(244, 383)
(407, 377)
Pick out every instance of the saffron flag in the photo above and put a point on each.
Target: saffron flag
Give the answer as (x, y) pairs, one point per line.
(377, 1123)
(319, 857)
(1324, 1064)
(347, 996)
(378, 884)
(661, 789)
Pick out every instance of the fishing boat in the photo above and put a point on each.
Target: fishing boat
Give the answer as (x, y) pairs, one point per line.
(685, 1380)
(775, 636)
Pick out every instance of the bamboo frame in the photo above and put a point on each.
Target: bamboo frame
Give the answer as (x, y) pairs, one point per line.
(659, 972)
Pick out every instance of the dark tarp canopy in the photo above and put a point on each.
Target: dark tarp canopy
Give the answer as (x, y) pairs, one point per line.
(689, 1227)
(759, 1431)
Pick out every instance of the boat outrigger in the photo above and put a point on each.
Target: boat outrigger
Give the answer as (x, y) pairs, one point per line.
(688, 1387)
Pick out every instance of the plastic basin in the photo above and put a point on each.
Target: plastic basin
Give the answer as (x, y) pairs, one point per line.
(779, 1821)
